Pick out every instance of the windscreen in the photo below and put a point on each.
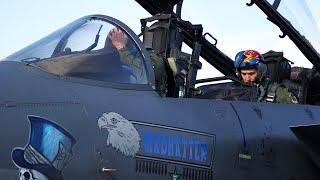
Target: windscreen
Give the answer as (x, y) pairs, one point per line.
(89, 48)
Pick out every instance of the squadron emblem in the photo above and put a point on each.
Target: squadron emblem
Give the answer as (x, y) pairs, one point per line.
(122, 136)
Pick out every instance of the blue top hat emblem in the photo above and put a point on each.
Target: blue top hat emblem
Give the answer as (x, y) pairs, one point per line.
(49, 148)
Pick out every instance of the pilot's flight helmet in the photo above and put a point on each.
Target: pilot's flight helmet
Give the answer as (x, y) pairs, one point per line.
(250, 59)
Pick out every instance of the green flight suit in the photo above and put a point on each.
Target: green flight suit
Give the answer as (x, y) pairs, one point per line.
(136, 64)
(279, 94)
(160, 73)
(283, 96)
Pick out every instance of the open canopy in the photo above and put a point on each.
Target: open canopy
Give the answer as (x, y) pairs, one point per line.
(303, 16)
(297, 20)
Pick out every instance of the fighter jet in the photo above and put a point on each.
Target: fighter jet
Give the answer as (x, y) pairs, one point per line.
(71, 107)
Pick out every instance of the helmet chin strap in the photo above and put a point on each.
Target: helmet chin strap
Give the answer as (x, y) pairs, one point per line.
(260, 78)
(262, 87)
(262, 72)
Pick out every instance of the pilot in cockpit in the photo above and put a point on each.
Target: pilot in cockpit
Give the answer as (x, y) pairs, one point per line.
(118, 39)
(251, 68)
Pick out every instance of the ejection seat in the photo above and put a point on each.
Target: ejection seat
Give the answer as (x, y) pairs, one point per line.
(296, 79)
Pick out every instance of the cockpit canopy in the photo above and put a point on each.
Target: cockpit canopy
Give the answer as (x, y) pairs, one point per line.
(83, 49)
(303, 15)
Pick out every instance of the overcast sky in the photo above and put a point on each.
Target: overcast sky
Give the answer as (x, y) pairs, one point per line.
(235, 25)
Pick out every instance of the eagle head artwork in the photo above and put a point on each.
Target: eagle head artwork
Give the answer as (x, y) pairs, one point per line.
(123, 136)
